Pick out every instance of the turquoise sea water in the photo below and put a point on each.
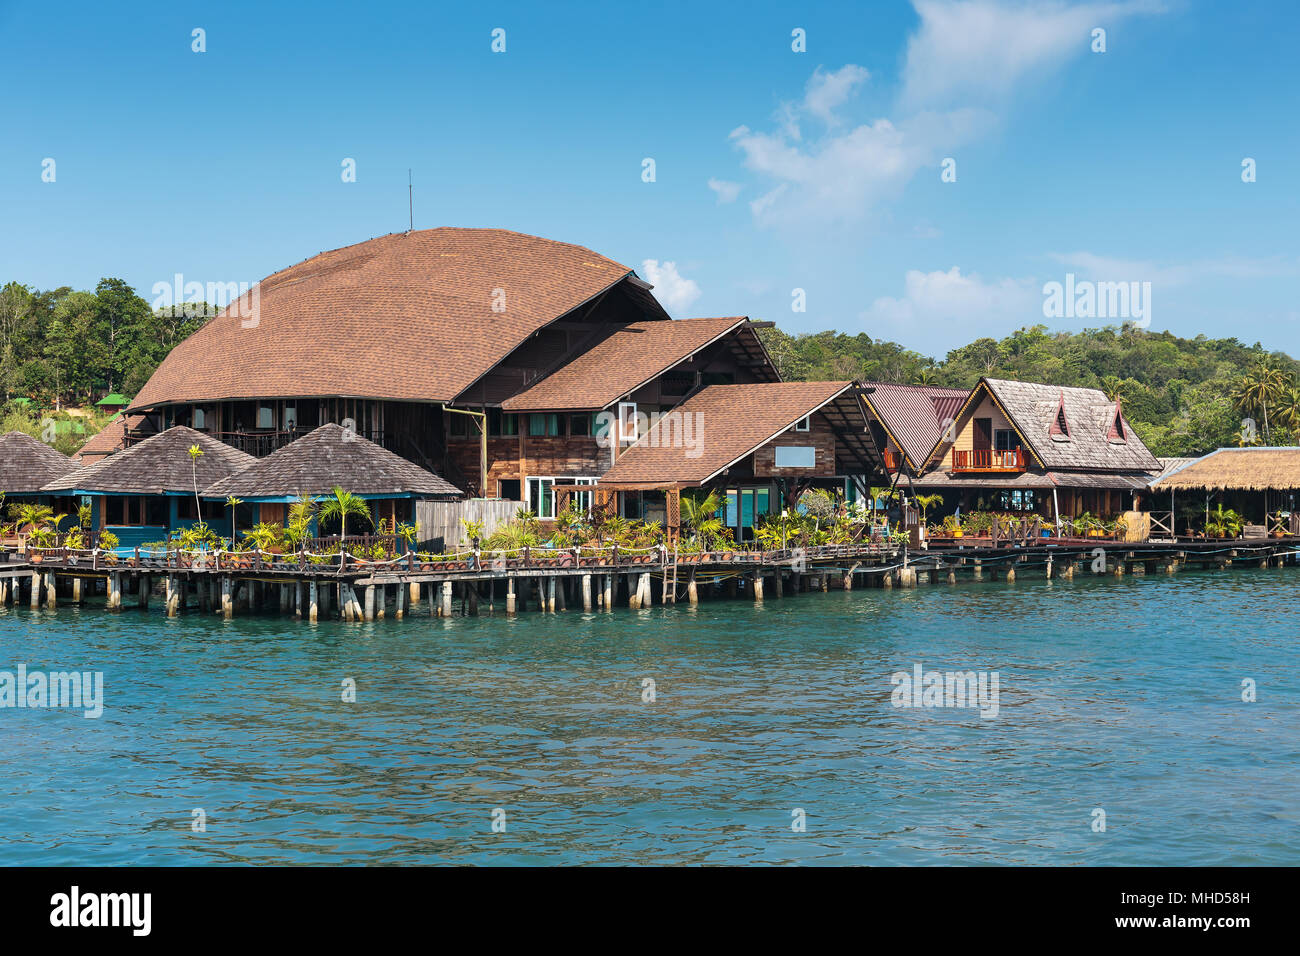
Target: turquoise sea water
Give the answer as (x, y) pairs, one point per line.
(1123, 695)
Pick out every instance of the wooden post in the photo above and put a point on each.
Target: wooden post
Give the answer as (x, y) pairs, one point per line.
(414, 595)
(115, 590)
(979, 570)
(370, 602)
(758, 588)
(559, 594)
(1011, 575)
(381, 600)
(550, 595)
(633, 593)
(36, 591)
(313, 601)
(510, 595)
(400, 598)
(472, 589)
(76, 592)
(51, 600)
(609, 592)
(586, 592)
(647, 597)
(285, 600)
(446, 599)
(227, 599)
(693, 591)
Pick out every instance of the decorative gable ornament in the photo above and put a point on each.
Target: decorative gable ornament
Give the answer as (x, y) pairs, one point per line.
(1059, 430)
(1117, 433)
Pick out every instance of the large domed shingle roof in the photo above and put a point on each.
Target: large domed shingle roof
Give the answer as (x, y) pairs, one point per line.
(405, 317)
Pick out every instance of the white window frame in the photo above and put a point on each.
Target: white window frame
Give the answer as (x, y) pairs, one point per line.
(624, 421)
(552, 480)
(804, 424)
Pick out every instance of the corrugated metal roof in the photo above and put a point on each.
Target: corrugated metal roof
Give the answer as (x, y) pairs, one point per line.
(914, 415)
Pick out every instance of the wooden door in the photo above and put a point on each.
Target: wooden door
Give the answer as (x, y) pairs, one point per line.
(982, 437)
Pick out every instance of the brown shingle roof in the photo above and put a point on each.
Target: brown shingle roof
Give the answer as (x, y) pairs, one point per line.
(27, 464)
(620, 364)
(724, 424)
(156, 465)
(329, 456)
(109, 439)
(1236, 469)
(408, 316)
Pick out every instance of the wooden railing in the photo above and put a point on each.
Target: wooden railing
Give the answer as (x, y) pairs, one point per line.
(986, 459)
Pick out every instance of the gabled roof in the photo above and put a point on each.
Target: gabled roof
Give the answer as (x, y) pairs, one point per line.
(1235, 469)
(626, 360)
(109, 439)
(414, 316)
(27, 464)
(725, 423)
(914, 416)
(1091, 444)
(329, 456)
(159, 464)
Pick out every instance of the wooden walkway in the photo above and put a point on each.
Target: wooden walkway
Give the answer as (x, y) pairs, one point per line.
(351, 589)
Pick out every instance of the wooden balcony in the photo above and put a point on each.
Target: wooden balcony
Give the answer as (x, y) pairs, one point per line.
(989, 461)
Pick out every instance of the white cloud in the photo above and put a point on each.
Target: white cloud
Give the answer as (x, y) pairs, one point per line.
(727, 192)
(826, 92)
(950, 307)
(980, 49)
(840, 176)
(673, 291)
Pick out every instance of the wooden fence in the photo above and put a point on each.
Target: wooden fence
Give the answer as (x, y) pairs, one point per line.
(439, 524)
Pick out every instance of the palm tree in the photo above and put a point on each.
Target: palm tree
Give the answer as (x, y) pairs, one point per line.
(1264, 384)
(195, 454)
(926, 502)
(697, 509)
(232, 503)
(339, 504)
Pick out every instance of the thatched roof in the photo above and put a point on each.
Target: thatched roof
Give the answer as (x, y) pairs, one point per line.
(1237, 469)
(27, 464)
(330, 456)
(157, 465)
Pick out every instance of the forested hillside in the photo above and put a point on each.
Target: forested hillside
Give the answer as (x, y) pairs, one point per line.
(1184, 396)
(62, 347)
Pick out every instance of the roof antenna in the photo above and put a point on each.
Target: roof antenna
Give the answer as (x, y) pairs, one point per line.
(410, 198)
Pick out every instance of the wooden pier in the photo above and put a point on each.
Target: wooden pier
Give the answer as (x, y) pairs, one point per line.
(553, 581)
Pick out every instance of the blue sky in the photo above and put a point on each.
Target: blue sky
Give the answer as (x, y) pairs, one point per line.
(1122, 166)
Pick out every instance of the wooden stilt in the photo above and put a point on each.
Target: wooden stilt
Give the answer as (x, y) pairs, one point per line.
(313, 601)
(446, 599)
(227, 598)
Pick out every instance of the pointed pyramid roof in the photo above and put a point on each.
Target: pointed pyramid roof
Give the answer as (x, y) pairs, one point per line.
(328, 456)
(27, 464)
(157, 465)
